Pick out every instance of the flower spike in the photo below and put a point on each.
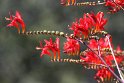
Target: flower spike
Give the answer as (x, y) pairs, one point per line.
(89, 24)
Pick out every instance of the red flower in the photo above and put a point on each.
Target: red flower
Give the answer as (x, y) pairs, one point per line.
(120, 2)
(90, 57)
(82, 26)
(102, 42)
(118, 49)
(71, 47)
(114, 6)
(91, 60)
(102, 75)
(15, 21)
(120, 57)
(99, 21)
(50, 46)
(110, 60)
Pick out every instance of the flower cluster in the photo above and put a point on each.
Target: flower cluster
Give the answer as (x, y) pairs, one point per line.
(88, 24)
(99, 55)
(90, 58)
(102, 75)
(95, 63)
(114, 5)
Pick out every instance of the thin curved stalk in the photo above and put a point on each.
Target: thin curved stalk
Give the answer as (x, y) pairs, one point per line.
(112, 52)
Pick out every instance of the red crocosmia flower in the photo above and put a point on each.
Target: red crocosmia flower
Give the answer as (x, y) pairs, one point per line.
(102, 75)
(118, 49)
(120, 2)
(75, 27)
(120, 57)
(114, 6)
(99, 21)
(44, 50)
(90, 57)
(16, 21)
(102, 42)
(110, 60)
(82, 26)
(50, 46)
(93, 44)
(71, 47)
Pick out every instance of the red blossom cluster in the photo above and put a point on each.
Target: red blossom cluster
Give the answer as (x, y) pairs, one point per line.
(50, 46)
(87, 26)
(90, 22)
(114, 5)
(103, 74)
(102, 42)
(90, 57)
(98, 54)
(71, 47)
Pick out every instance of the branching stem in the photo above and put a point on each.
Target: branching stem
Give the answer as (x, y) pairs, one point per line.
(102, 61)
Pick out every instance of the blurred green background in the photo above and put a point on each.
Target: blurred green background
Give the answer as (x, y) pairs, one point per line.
(21, 63)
